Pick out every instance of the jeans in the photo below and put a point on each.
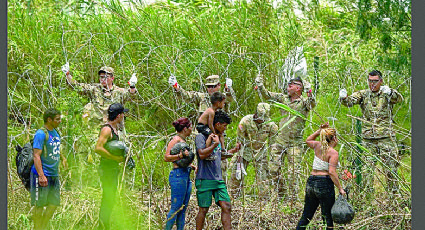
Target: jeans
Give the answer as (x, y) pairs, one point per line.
(319, 190)
(181, 187)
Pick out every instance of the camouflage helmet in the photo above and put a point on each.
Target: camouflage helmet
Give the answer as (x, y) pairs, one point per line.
(263, 111)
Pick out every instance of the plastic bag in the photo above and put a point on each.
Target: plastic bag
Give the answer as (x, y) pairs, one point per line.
(342, 212)
(186, 160)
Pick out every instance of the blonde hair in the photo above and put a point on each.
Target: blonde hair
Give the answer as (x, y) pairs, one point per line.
(326, 136)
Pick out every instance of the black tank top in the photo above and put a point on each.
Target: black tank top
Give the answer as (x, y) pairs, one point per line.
(114, 135)
(108, 163)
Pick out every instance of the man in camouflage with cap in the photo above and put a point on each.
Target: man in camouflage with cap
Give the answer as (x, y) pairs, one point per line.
(378, 134)
(202, 100)
(256, 136)
(290, 141)
(101, 96)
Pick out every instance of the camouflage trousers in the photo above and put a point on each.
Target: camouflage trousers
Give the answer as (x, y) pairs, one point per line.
(224, 167)
(385, 152)
(261, 166)
(286, 180)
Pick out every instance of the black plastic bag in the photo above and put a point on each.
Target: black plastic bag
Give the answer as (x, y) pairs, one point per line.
(342, 212)
(186, 160)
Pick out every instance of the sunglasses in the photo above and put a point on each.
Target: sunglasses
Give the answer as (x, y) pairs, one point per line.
(105, 76)
(295, 83)
(211, 86)
(373, 81)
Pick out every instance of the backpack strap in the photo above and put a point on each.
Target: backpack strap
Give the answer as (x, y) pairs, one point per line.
(46, 133)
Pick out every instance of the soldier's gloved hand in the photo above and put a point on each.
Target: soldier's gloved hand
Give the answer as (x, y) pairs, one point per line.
(243, 169)
(385, 89)
(133, 80)
(65, 68)
(173, 81)
(307, 89)
(343, 93)
(259, 80)
(229, 82)
(238, 171)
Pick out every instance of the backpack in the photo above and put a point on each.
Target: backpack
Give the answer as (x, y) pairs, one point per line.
(25, 159)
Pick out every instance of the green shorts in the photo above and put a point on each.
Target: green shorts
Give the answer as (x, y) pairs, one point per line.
(205, 189)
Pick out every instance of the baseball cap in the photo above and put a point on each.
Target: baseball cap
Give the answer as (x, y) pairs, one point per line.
(107, 70)
(296, 79)
(263, 111)
(212, 80)
(117, 108)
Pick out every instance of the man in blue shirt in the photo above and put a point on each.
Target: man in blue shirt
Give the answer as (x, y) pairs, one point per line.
(209, 179)
(45, 185)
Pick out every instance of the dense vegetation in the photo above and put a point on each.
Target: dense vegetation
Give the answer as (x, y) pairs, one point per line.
(194, 39)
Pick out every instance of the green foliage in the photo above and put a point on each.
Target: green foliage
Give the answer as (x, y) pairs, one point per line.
(191, 40)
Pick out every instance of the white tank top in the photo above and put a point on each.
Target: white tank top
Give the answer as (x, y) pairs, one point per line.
(319, 164)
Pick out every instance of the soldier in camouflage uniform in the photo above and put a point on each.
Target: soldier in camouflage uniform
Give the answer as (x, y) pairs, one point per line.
(376, 104)
(101, 96)
(290, 141)
(202, 100)
(254, 133)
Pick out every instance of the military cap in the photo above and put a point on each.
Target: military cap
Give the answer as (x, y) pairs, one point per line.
(296, 79)
(212, 80)
(107, 70)
(263, 111)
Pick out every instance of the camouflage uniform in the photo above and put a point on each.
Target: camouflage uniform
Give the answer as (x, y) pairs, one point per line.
(378, 135)
(253, 137)
(95, 113)
(290, 141)
(202, 101)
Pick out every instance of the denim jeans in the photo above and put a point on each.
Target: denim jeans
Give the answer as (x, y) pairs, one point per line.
(181, 187)
(319, 190)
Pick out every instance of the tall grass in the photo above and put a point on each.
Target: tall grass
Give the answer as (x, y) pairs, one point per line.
(191, 40)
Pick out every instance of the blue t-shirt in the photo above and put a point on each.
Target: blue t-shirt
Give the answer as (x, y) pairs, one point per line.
(49, 161)
(209, 170)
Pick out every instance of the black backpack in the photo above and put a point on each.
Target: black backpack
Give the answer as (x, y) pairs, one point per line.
(25, 159)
